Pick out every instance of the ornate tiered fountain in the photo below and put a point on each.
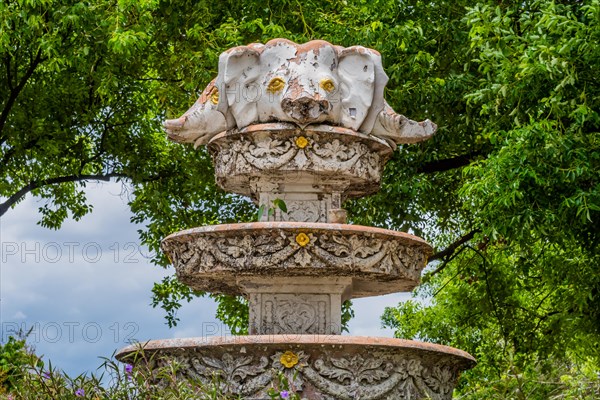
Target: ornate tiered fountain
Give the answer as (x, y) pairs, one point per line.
(304, 126)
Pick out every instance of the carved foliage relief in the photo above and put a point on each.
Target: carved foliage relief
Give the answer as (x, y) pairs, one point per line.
(282, 313)
(325, 154)
(377, 375)
(278, 251)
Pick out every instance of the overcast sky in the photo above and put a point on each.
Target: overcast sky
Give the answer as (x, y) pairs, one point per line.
(85, 290)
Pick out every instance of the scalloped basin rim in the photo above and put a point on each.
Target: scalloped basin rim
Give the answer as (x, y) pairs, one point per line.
(292, 339)
(300, 227)
(287, 126)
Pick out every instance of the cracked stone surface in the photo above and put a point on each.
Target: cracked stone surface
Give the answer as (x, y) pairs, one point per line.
(306, 165)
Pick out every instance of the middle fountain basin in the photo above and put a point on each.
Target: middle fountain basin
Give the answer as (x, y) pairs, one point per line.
(294, 275)
(218, 258)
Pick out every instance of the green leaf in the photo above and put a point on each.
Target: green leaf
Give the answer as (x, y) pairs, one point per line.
(280, 204)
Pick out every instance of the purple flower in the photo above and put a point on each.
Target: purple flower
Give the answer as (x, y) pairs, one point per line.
(46, 375)
(284, 394)
(128, 368)
(79, 393)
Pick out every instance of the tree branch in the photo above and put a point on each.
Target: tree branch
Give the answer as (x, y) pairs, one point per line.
(14, 93)
(448, 163)
(449, 252)
(4, 207)
(8, 72)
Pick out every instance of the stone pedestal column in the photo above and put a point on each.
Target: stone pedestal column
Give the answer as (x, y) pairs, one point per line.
(301, 305)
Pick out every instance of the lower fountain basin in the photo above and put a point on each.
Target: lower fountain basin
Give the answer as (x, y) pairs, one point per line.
(317, 366)
(218, 258)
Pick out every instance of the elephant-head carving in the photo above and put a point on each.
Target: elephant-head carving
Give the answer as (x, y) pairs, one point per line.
(311, 83)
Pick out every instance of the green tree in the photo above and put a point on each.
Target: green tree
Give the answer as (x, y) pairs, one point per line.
(508, 191)
(518, 284)
(85, 86)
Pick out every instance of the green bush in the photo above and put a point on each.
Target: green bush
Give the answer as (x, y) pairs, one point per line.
(114, 381)
(14, 356)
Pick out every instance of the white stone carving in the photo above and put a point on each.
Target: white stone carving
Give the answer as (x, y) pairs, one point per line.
(238, 375)
(215, 258)
(327, 373)
(304, 211)
(309, 83)
(305, 126)
(279, 305)
(317, 159)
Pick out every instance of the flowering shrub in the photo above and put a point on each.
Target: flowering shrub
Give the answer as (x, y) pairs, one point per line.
(31, 379)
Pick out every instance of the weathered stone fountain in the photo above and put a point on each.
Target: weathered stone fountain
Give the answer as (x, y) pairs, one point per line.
(306, 125)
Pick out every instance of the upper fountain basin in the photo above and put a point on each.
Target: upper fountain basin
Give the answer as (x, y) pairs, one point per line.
(316, 158)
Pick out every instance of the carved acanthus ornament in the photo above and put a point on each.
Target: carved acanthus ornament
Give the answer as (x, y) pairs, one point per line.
(276, 249)
(374, 375)
(332, 154)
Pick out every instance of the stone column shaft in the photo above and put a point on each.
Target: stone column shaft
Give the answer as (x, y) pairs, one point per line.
(301, 305)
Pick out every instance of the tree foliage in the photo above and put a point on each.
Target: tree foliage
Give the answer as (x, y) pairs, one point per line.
(508, 191)
(522, 293)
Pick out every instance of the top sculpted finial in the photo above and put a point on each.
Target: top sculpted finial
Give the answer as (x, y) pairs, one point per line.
(312, 83)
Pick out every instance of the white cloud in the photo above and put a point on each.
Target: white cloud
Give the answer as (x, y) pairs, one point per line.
(19, 315)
